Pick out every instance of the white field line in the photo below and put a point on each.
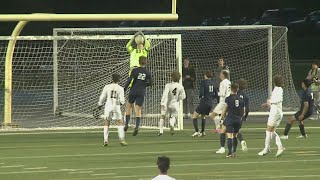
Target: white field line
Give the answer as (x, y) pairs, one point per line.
(35, 168)
(274, 177)
(179, 165)
(308, 154)
(9, 133)
(80, 172)
(13, 166)
(129, 154)
(105, 174)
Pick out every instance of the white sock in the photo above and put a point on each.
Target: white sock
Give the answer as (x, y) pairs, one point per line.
(217, 122)
(172, 121)
(106, 133)
(267, 141)
(278, 140)
(121, 133)
(161, 125)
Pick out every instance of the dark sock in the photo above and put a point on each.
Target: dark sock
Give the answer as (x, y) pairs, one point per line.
(138, 122)
(287, 129)
(203, 125)
(222, 139)
(235, 144)
(229, 146)
(195, 125)
(240, 137)
(301, 126)
(127, 120)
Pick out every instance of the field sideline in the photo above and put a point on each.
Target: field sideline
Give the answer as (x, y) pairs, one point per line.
(67, 155)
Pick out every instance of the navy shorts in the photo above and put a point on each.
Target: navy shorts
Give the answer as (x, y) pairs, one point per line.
(138, 99)
(232, 124)
(204, 109)
(306, 116)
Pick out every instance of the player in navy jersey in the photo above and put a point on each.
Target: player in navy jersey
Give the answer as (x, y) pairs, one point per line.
(140, 78)
(207, 95)
(243, 84)
(232, 116)
(306, 110)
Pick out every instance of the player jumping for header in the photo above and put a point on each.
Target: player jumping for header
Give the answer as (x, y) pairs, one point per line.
(207, 95)
(114, 96)
(142, 49)
(140, 78)
(172, 95)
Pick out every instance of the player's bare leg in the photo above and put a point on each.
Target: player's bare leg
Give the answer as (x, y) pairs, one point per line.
(288, 127)
(127, 116)
(121, 133)
(195, 124)
(138, 119)
(106, 132)
(172, 122)
(161, 122)
(222, 150)
(216, 118)
(203, 125)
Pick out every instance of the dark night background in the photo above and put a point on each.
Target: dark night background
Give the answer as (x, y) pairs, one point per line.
(302, 48)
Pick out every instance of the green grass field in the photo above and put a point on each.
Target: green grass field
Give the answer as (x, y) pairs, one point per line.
(67, 155)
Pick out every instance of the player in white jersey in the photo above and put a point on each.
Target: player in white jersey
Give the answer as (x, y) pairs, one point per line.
(113, 97)
(172, 95)
(163, 166)
(275, 117)
(224, 92)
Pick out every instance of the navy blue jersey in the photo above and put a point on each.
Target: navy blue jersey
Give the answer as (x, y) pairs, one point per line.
(235, 105)
(245, 100)
(140, 78)
(207, 92)
(307, 96)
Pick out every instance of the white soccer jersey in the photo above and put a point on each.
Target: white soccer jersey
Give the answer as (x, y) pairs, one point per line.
(275, 114)
(224, 90)
(163, 177)
(114, 95)
(173, 93)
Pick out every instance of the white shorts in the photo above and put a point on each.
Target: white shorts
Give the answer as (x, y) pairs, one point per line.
(275, 117)
(171, 110)
(220, 108)
(112, 112)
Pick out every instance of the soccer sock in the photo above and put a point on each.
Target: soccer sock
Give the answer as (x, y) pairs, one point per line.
(127, 120)
(267, 141)
(217, 122)
(278, 140)
(195, 125)
(235, 144)
(121, 133)
(222, 139)
(172, 121)
(138, 119)
(240, 137)
(229, 143)
(203, 124)
(287, 129)
(161, 125)
(301, 127)
(105, 133)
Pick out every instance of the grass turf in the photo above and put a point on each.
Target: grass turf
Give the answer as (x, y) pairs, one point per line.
(79, 155)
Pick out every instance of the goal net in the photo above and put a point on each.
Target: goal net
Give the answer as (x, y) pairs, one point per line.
(57, 79)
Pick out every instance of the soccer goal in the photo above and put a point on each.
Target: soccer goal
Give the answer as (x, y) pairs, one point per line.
(57, 80)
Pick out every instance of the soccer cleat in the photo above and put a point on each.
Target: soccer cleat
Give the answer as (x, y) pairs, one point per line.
(125, 128)
(284, 137)
(124, 143)
(202, 134)
(279, 152)
(244, 146)
(195, 134)
(105, 143)
(302, 136)
(262, 153)
(135, 132)
(171, 130)
(160, 134)
(222, 150)
(233, 155)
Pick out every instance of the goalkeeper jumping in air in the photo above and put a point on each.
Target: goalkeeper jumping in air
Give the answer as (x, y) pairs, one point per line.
(142, 49)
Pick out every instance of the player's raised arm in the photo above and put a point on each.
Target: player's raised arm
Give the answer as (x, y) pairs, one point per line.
(129, 44)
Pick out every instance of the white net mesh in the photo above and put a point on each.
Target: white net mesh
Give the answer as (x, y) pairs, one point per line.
(86, 65)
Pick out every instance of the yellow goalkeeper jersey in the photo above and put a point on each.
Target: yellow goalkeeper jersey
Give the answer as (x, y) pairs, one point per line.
(135, 54)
